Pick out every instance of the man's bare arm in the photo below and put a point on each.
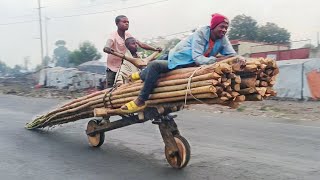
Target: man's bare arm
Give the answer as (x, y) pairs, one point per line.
(135, 61)
(151, 57)
(148, 47)
(108, 46)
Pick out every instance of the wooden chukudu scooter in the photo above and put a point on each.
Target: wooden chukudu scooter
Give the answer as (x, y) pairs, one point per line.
(177, 148)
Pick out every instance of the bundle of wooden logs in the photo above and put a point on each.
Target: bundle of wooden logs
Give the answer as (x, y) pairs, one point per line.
(226, 83)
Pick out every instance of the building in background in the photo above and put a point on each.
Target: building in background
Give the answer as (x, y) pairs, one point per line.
(274, 51)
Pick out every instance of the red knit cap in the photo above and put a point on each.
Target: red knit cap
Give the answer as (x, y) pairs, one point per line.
(217, 19)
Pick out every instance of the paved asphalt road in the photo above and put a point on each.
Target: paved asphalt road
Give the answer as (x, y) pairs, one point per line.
(223, 146)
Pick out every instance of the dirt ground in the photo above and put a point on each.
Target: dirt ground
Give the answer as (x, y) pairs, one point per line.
(295, 110)
(291, 110)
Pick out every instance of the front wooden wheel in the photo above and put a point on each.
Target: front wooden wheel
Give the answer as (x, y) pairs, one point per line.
(180, 159)
(95, 140)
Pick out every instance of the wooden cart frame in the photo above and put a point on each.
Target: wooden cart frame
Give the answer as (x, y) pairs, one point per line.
(177, 148)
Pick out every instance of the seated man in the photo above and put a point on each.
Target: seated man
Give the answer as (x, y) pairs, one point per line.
(200, 48)
(132, 63)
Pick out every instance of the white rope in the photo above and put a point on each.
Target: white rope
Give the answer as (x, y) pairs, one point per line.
(188, 91)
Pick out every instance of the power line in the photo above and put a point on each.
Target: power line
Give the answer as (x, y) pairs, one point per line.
(101, 12)
(20, 16)
(20, 22)
(81, 7)
(86, 14)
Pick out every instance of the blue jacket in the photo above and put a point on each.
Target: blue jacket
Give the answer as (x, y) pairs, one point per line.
(191, 49)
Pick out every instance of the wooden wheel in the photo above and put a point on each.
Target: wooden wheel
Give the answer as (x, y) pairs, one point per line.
(94, 140)
(180, 159)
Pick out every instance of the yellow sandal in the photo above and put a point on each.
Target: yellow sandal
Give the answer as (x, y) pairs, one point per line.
(132, 107)
(135, 76)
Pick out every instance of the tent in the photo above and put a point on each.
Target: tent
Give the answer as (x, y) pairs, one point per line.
(97, 67)
(299, 79)
(69, 78)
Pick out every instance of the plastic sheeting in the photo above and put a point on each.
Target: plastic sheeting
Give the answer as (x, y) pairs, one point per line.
(96, 67)
(70, 78)
(292, 81)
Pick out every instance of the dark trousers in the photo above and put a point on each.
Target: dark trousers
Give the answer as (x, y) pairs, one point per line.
(151, 74)
(110, 78)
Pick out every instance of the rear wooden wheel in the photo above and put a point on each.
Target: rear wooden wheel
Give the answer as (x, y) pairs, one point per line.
(95, 140)
(179, 160)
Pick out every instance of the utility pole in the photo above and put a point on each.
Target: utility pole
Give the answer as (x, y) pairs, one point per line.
(318, 43)
(46, 32)
(40, 25)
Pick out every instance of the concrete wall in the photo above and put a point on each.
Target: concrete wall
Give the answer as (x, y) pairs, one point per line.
(315, 53)
(251, 47)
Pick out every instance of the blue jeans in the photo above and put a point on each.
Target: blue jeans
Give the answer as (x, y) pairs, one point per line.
(151, 74)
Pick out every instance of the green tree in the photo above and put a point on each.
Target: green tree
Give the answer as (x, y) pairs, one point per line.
(61, 54)
(4, 69)
(86, 52)
(46, 61)
(272, 33)
(243, 27)
(16, 69)
(311, 46)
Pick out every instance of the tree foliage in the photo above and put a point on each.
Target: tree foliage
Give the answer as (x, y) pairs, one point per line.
(60, 43)
(272, 33)
(86, 52)
(245, 28)
(311, 46)
(4, 69)
(61, 54)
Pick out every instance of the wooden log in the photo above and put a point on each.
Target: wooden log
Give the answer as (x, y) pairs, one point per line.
(160, 109)
(219, 89)
(271, 91)
(197, 72)
(269, 72)
(226, 84)
(236, 87)
(174, 99)
(272, 83)
(240, 98)
(180, 71)
(184, 86)
(208, 76)
(264, 83)
(245, 91)
(228, 89)
(198, 90)
(100, 112)
(275, 71)
(248, 82)
(234, 94)
(234, 78)
(164, 89)
(226, 94)
(263, 66)
(250, 68)
(224, 98)
(237, 68)
(261, 90)
(257, 83)
(253, 97)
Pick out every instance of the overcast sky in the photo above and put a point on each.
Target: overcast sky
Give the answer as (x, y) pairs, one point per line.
(148, 18)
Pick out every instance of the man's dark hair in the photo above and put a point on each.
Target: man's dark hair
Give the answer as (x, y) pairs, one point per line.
(118, 18)
(129, 39)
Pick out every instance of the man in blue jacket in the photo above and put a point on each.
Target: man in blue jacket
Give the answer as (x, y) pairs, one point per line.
(200, 48)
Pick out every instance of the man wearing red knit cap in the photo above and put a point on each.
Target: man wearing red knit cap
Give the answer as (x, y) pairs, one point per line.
(200, 48)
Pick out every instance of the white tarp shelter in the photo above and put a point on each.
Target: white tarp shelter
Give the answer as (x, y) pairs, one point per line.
(68, 78)
(294, 80)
